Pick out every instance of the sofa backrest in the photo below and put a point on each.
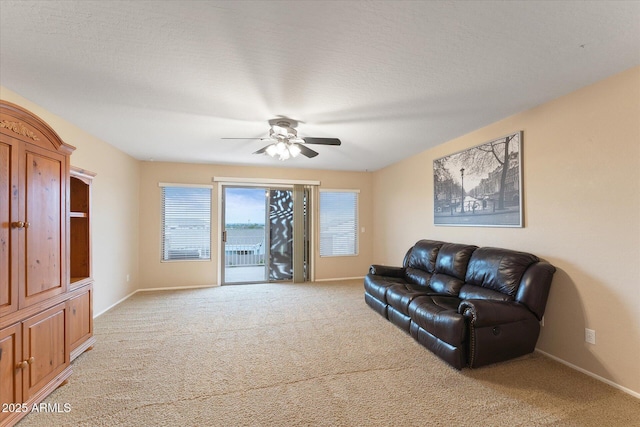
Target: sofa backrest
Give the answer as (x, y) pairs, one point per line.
(451, 267)
(470, 272)
(420, 262)
(506, 275)
(498, 270)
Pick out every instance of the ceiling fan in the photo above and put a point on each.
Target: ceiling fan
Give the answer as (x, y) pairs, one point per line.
(285, 142)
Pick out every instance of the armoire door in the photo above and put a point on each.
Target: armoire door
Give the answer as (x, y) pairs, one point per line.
(43, 236)
(10, 368)
(9, 233)
(45, 348)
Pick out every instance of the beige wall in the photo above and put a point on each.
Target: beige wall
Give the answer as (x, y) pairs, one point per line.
(156, 274)
(582, 213)
(581, 165)
(114, 222)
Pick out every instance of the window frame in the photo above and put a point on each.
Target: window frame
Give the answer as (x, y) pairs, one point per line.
(356, 236)
(164, 185)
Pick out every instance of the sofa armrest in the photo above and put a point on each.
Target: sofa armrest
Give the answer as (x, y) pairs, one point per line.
(534, 287)
(498, 330)
(484, 313)
(384, 270)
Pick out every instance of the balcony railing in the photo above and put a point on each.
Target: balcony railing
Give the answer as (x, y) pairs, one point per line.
(243, 251)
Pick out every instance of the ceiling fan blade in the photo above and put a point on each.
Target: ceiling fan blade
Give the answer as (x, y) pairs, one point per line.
(322, 141)
(306, 151)
(262, 150)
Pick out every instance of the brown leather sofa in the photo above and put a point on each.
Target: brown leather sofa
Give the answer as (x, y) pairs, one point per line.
(470, 306)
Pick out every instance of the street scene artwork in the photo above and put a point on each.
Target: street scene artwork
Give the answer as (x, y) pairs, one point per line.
(480, 186)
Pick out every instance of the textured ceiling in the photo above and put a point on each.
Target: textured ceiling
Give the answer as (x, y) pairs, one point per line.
(166, 80)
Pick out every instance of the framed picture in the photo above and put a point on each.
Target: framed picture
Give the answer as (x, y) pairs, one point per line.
(480, 186)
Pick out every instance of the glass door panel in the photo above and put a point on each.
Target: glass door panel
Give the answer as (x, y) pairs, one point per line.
(280, 234)
(244, 240)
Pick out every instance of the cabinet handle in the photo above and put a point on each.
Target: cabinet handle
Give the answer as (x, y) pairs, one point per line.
(22, 365)
(18, 224)
(31, 360)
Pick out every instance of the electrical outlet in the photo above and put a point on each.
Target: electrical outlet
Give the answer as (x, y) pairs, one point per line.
(128, 278)
(590, 336)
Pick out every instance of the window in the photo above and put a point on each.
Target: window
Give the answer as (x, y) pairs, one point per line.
(338, 222)
(186, 222)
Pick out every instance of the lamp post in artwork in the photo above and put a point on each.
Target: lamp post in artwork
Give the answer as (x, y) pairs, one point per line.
(462, 187)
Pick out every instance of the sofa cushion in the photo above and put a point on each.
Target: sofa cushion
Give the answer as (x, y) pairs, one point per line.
(377, 286)
(445, 284)
(453, 259)
(400, 296)
(498, 269)
(438, 315)
(478, 292)
(450, 268)
(417, 276)
(423, 255)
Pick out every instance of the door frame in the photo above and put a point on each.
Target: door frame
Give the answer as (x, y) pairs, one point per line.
(222, 243)
(266, 182)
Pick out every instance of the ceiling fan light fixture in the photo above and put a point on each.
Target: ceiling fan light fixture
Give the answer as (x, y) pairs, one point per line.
(284, 150)
(294, 150)
(272, 150)
(281, 147)
(285, 155)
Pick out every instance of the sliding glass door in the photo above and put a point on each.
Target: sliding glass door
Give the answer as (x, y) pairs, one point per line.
(259, 240)
(244, 242)
(280, 235)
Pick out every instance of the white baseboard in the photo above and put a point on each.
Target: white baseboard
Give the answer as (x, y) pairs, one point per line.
(591, 374)
(174, 288)
(113, 305)
(339, 278)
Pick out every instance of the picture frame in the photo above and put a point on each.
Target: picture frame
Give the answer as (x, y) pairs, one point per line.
(480, 186)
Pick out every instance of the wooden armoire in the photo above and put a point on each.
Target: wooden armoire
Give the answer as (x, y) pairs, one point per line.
(46, 289)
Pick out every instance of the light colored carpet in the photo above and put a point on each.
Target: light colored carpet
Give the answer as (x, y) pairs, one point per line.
(304, 354)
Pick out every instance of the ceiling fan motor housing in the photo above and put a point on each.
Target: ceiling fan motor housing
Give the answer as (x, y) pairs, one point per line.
(283, 130)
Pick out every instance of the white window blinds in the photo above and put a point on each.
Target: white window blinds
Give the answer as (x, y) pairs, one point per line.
(186, 222)
(338, 222)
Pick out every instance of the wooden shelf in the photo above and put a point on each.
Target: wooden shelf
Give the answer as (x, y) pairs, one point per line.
(80, 229)
(80, 283)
